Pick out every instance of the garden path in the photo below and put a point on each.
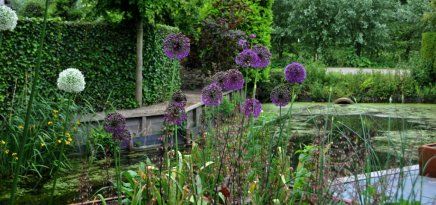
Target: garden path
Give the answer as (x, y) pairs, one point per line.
(349, 70)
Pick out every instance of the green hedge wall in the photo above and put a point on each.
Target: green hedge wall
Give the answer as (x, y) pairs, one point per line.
(105, 53)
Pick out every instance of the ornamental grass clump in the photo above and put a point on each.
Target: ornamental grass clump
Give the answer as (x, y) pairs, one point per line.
(176, 46)
(234, 80)
(295, 73)
(8, 18)
(212, 95)
(71, 80)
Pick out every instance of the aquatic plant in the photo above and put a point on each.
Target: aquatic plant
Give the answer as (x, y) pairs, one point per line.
(176, 46)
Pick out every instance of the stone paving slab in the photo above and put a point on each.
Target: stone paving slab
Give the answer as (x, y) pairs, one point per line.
(395, 183)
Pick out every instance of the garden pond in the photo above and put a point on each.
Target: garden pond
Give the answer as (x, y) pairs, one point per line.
(388, 124)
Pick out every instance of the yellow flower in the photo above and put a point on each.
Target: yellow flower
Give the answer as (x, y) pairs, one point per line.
(55, 112)
(16, 158)
(14, 154)
(67, 142)
(7, 151)
(3, 142)
(59, 141)
(49, 123)
(67, 134)
(70, 139)
(20, 127)
(42, 144)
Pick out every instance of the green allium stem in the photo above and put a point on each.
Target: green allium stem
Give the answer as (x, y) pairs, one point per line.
(23, 139)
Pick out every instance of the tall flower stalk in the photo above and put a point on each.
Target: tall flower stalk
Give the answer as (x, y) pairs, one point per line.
(115, 124)
(22, 140)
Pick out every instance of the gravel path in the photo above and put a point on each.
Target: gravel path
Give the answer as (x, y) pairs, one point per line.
(345, 70)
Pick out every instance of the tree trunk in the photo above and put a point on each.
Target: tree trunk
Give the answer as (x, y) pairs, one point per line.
(139, 60)
(358, 49)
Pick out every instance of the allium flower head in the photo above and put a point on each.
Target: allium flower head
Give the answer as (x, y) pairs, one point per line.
(242, 43)
(8, 18)
(234, 80)
(263, 56)
(252, 107)
(175, 115)
(247, 58)
(115, 123)
(179, 99)
(219, 79)
(295, 73)
(176, 46)
(71, 80)
(212, 95)
(280, 95)
(252, 35)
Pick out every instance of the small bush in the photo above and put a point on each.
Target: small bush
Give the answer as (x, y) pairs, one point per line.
(33, 9)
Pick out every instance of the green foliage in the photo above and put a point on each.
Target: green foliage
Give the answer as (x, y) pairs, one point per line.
(103, 52)
(66, 10)
(362, 87)
(428, 53)
(314, 26)
(430, 17)
(33, 8)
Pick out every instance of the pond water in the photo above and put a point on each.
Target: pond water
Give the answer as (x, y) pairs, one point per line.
(388, 124)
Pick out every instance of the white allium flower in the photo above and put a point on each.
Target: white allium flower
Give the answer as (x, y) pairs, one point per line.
(71, 80)
(8, 18)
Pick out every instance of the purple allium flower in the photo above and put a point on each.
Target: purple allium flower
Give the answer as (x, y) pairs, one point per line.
(252, 35)
(242, 43)
(263, 55)
(280, 95)
(115, 123)
(234, 80)
(179, 99)
(295, 73)
(212, 95)
(247, 58)
(252, 107)
(219, 78)
(176, 46)
(175, 114)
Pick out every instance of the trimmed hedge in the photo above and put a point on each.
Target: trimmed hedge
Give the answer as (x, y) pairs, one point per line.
(105, 53)
(428, 47)
(364, 88)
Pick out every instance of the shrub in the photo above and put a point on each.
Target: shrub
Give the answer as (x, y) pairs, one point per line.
(362, 87)
(428, 52)
(105, 53)
(33, 9)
